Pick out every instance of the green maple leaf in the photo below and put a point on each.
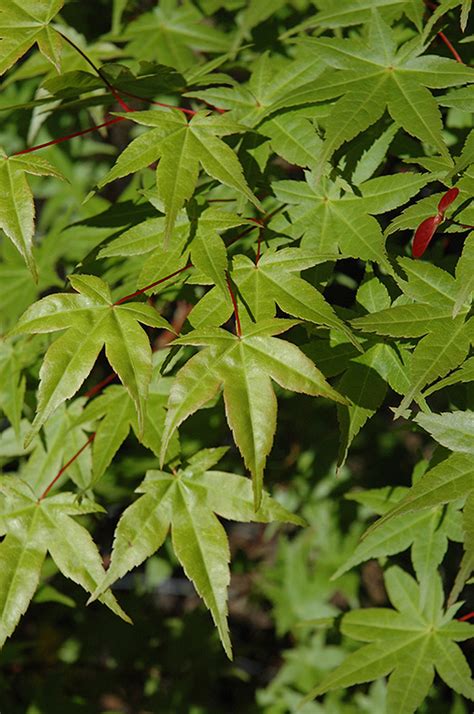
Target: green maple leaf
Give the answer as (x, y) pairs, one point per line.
(448, 481)
(208, 251)
(273, 281)
(187, 501)
(172, 33)
(22, 23)
(366, 389)
(431, 297)
(408, 643)
(116, 414)
(62, 439)
(436, 354)
(465, 275)
(467, 563)
(462, 375)
(243, 367)
(92, 320)
(329, 216)
(454, 430)
(31, 529)
(426, 532)
(182, 147)
(354, 12)
(373, 75)
(17, 211)
(12, 384)
(275, 84)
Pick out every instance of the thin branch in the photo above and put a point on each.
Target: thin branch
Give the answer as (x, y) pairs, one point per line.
(99, 72)
(433, 6)
(464, 618)
(60, 139)
(152, 285)
(191, 112)
(450, 47)
(116, 92)
(99, 387)
(238, 327)
(66, 466)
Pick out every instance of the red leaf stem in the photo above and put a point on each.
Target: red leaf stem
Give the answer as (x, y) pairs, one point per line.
(116, 92)
(99, 387)
(469, 616)
(234, 303)
(60, 139)
(152, 285)
(66, 465)
(191, 112)
(433, 6)
(450, 47)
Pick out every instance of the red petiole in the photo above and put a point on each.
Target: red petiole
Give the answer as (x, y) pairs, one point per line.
(238, 327)
(66, 465)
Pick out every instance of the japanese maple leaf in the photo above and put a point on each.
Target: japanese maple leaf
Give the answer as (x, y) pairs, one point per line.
(329, 216)
(444, 345)
(171, 33)
(275, 84)
(187, 501)
(182, 147)
(243, 367)
(114, 414)
(92, 320)
(408, 643)
(426, 532)
(34, 528)
(24, 22)
(17, 210)
(273, 281)
(373, 75)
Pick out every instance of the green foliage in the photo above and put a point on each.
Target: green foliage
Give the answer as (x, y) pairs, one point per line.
(260, 172)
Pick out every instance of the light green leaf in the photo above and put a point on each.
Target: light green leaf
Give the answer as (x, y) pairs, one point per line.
(171, 34)
(93, 321)
(426, 283)
(448, 481)
(34, 527)
(24, 23)
(181, 148)
(188, 499)
(455, 430)
(22, 558)
(243, 367)
(436, 354)
(294, 138)
(404, 643)
(465, 275)
(407, 320)
(464, 374)
(200, 544)
(17, 211)
(414, 108)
